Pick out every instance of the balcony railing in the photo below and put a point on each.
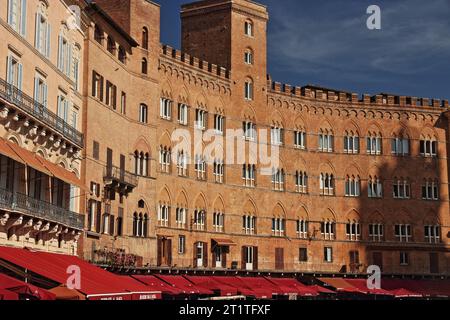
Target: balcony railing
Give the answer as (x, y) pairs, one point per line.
(20, 203)
(31, 107)
(114, 174)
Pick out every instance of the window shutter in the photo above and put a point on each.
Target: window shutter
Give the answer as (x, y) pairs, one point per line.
(36, 89)
(255, 258)
(10, 12)
(37, 37)
(244, 257)
(19, 76)
(60, 53)
(205, 255)
(159, 253)
(195, 255)
(99, 217)
(69, 62)
(169, 251)
(23, 18)
(44, 95)
(48, 40)
(9, 75)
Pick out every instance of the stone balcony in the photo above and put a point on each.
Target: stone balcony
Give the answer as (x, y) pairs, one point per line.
(42, 213)
(120, 180)
(20, 107)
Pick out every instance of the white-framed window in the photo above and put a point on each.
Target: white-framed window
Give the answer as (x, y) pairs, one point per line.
(163, 215)
(430, 189)
(199, 220)
(432, 233)
(164, 159)
(63, 107)
(200, 168)
(219, 124)
(76, 73)
(277, 136)
(400, 146)
(74, 116)
(278, 179)
(14, 75)
(374, 143)
(141, 163)
(351, 143)
(17, 16)
(300, 140)
(278, 227)
(249, 224)
(352, 186)
(326, 184)
(248, 28)
(143, 113)
(353, 231)
(248, 56)
(374, 187)
(248, 90)
(64, 55)
(302, 229)
(328, 254)
(181, 244)
(249, 130)
(42, 38)
(219, 171)
(326, 141)
(376, 232)
(201, 119)
(111, 95)
(404, 258)
(428, 147)
(301, 182)
(40, 90)
(249, 175)
(97, 85)
(401, 188)
(218, 222)
(165, 109)
(328, 230)
(183, 110)
(403, 232)
(180, 218)
(182, 165)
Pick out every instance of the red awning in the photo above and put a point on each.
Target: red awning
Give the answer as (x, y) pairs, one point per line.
(426, 288)
(20, 287)
(292, 286)
(240, 286)
(185, 285)
(28, 158)
(320, 289)
(158, 285)
(8, 295)
(61, 173)
(96, 283)
(211, 284)
(361, 284)
(7, 151)
(342, 285)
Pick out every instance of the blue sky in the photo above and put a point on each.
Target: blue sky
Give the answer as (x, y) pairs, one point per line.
(327, 43)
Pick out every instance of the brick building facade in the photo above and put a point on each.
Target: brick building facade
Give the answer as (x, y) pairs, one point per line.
(359, 181)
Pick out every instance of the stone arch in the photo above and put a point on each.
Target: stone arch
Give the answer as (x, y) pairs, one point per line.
(182, 199)
(219, 204)
(250, 208)
(166, 90)
(200, 202)
(164, 196)
(279, 211)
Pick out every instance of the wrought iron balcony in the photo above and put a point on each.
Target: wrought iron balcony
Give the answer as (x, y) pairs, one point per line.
(20, 203)
(31, 107)
(115, 177)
